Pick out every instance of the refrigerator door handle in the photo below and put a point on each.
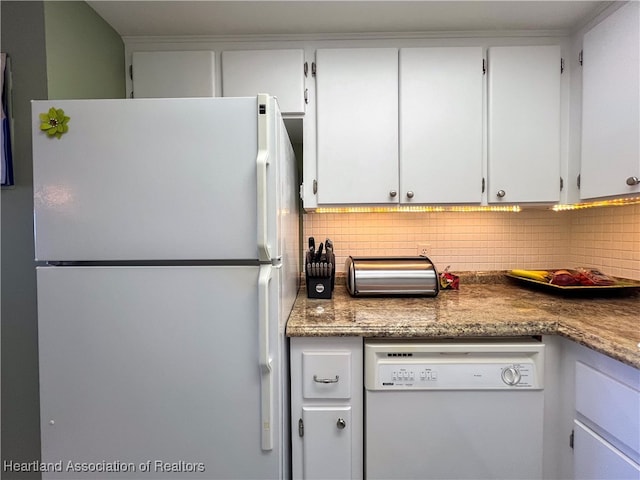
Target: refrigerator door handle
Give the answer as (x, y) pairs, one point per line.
(262, 163)
(266, 375)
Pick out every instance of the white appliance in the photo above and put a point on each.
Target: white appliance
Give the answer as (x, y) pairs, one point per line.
(169, 228)
(454, 409)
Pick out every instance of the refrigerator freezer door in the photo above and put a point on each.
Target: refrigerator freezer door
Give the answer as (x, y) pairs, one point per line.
(158, 364)
(153, 179)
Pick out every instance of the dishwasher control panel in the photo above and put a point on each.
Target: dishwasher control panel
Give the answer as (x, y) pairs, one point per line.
(454, 375)
(410, 365)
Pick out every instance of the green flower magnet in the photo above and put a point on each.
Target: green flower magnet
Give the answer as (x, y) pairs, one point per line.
(54, 122)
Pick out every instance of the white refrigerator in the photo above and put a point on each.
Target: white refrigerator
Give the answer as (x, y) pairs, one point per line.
(166, 233)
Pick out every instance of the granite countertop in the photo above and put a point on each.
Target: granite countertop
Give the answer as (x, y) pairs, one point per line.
(610, 325)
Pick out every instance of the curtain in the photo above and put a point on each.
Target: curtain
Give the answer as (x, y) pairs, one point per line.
(6, 176)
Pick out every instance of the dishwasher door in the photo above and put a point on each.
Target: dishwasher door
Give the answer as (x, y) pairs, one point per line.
(454, 409)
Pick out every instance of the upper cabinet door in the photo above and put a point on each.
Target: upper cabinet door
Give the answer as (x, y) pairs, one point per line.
(173, 74)
(524, 124)
(441, 125)
(357, 125)
(277, 72)
(611, 105)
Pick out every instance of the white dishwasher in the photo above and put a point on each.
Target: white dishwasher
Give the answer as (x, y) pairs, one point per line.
(454, 409)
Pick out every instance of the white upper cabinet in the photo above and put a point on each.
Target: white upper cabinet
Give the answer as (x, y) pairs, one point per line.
(524, 124)
(173, 74)
(357, 125)
(611, 106)
(441, 125)
(277, 72)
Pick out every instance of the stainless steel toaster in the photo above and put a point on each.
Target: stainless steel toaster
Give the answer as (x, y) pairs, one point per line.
(391, 276)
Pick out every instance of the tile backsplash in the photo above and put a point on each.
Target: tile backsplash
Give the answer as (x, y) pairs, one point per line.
(607, 238)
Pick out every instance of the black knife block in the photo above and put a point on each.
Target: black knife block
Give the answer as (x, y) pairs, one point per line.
(320, 283)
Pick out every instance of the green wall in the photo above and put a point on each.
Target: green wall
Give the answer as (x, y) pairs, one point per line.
(58, 50)
(23, 40)
(85, 56)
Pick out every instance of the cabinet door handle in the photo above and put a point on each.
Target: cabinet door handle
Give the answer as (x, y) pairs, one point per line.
(631, 181)
(501, 193)
(341, 423)
(326, 380)
(409, 194)
(393, 193)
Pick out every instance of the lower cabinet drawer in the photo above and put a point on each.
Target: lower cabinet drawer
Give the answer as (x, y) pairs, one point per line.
(326, 374)
(596, 459)
(611, 405)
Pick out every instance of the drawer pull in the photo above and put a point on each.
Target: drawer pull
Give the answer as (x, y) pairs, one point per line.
(326, 380)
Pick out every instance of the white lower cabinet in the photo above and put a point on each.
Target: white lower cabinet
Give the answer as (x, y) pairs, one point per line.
(606, 438)
(326, 450)
(591, 421)
(326, 408)
(597, 459)
(593, 426)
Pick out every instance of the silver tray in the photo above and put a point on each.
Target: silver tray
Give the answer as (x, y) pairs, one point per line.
(622, 286)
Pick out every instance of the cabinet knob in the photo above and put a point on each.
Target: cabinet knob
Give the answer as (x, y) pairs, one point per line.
(341, 423)
(393, 193)
(410, 194)
(631, 181)
(501, 193)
